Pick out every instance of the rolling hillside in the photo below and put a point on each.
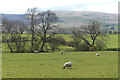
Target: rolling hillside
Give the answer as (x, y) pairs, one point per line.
(75, 18)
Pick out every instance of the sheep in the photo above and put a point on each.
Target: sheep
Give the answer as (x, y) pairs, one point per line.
(67, 64)
(97, 54)
(61, 52)
(36, 51)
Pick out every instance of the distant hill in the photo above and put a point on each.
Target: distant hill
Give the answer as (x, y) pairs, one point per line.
(75, 18)
(80, 17)
(13, 16)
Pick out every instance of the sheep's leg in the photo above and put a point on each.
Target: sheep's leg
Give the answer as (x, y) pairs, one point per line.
(68, 67)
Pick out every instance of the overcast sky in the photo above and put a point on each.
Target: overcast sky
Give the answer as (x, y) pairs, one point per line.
(20, 6)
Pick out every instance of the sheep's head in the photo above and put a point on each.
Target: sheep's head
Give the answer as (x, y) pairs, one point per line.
(63, 67)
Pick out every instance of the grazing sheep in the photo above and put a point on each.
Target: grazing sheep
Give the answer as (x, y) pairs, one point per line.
(68, 65)
(61, 52)
(97, 54)
(36, 51)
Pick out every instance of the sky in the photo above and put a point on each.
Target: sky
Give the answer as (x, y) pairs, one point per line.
(21, 6)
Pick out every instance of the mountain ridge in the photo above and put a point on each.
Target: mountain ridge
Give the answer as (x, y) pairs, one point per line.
(70, 18)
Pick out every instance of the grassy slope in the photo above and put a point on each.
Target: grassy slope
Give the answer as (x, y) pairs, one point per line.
(112, 41)
(49, 65)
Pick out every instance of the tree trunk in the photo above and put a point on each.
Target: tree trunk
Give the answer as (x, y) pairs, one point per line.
(9, 31)
(32, 43)
(10, 47)
(93, 42)
(32, 30)
(86, 41)
(44, 40)
(42, 46)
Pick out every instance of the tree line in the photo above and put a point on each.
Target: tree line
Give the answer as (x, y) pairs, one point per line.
(43, 30)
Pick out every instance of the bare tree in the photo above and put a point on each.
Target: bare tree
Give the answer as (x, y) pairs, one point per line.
(32, 16)
(7, 24)
(15, 41)
(46, 25)
(20, 26)
(89, 33)
(8, 41)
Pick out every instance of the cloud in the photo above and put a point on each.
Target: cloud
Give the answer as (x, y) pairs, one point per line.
(78, 9)
(20, 6)
(108, 8)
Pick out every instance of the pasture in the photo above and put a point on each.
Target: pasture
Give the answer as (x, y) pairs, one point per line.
(49, 65)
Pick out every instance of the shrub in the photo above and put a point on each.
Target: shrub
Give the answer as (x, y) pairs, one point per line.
(93, 48)
(101, 44)
(82, 47)
(54, 42)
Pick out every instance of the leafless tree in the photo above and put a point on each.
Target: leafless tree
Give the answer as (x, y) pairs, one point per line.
(90, 32)
(7, 24)
(20, 26)
(7, 40)
(32, 16)
(46, 25)
(15, 41)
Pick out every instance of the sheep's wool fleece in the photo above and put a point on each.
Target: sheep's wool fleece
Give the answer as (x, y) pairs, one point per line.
(68, 63)
(97, 54)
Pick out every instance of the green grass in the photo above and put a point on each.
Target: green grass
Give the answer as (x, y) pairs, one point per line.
(67, 37)
(112, 41)
(49, 65)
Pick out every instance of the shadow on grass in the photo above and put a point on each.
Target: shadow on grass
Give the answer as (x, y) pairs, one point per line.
(113, 49)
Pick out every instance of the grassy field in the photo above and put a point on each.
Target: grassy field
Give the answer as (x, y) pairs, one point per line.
(112, 41)
(49, 65)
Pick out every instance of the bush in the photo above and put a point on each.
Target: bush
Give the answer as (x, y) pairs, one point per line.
(55, 41)
(93, 48)
(82, 47)
(101, 44)
(15, 42)
(71, 44)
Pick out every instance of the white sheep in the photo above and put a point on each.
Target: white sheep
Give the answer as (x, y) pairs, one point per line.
(97, 54)
(36, 51)
(61, 52)
(68, 65)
